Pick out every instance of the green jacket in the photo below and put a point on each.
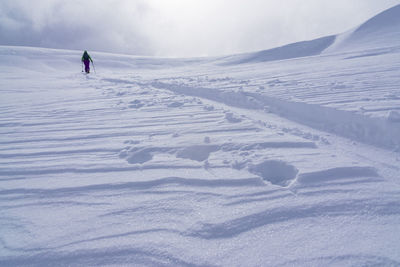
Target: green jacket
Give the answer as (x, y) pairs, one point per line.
(86, 56)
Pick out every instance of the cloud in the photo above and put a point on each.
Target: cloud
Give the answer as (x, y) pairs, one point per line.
(105, 25)
(177, 27)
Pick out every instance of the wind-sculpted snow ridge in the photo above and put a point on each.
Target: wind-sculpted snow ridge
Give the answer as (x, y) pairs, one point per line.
(152, 162)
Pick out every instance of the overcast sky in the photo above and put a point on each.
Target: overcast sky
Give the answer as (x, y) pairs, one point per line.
(178, 27)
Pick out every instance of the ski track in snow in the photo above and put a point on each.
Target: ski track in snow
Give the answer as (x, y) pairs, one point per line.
(198, 163)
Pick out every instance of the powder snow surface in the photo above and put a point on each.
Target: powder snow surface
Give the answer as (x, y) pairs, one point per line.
(201, 162)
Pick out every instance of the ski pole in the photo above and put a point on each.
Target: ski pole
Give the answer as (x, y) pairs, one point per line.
(82, 66)
(94, 68)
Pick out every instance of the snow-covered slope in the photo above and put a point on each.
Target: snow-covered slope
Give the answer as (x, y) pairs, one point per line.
(168, 162)
(296, 50)
(381, 31)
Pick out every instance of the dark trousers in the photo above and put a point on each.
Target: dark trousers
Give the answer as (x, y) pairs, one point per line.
(87, 65)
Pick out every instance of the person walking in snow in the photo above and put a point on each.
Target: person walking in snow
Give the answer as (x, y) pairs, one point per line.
(86, 59)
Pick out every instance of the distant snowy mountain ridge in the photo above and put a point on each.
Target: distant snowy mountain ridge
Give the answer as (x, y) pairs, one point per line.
(381, 31)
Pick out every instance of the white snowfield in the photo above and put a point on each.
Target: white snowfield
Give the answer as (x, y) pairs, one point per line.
(285, 157)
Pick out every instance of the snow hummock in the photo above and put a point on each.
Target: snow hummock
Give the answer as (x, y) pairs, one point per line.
(287, 157)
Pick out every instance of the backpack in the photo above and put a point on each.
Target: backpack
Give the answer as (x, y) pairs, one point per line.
(85, 56)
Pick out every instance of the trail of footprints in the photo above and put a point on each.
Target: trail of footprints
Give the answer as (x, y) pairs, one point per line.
(207, 136)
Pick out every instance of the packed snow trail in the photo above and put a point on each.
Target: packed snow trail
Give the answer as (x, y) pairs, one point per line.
(362, 105)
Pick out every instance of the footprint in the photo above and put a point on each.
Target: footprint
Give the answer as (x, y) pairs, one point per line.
(136, 104)
(231, 118)
(276, 172)
(175, 104)
(136, 156)
(208, 108)
(197, 152)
